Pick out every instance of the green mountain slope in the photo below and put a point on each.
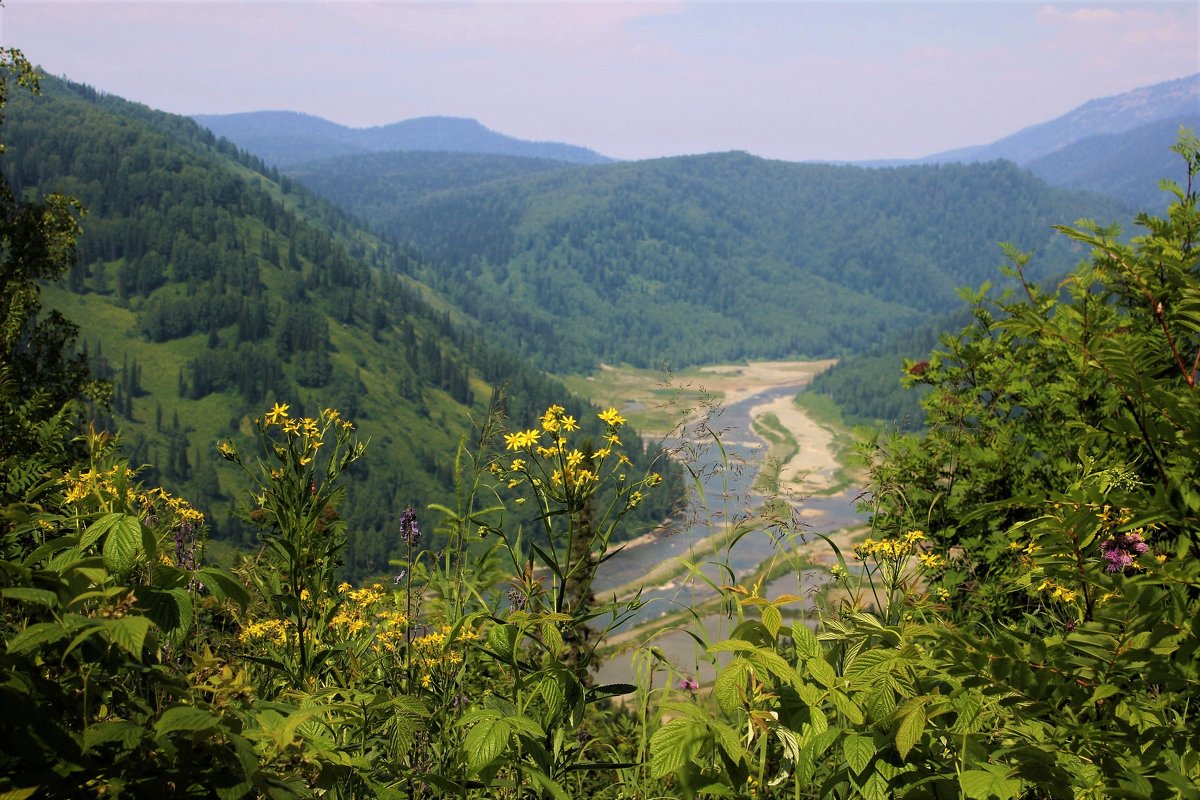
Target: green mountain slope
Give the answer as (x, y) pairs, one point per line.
(1127, 165)
(207, 290)
(713, 257)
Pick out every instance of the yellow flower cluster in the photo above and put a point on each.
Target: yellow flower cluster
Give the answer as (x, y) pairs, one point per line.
(268, 630)
(570, 468)
(111, 485)
(182, 509)
(889, 549)
(1057, 591)
(117, 485)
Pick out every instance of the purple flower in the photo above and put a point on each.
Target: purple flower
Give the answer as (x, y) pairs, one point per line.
(689, 684)
(1120, 551)
(410, 533)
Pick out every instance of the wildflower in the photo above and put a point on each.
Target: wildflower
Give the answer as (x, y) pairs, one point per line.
(838, 572)
(228, 452)
(654, 480)
(1064, 594)
(1121, 551)
(611, 417)
(568, 423)
(277, 413)
(931, 560)
(689, 684)
(518, 464)
(943, 594)
(410, 533)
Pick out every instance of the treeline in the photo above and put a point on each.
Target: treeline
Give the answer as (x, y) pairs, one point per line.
(242, 291)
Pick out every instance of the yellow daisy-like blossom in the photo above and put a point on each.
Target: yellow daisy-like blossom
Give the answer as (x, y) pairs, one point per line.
(568, 423)
(611, 417)
(278, 412)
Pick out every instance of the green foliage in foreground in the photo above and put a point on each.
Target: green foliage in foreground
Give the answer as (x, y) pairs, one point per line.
(1021, 624)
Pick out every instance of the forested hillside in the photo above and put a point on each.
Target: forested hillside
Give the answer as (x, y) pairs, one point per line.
(708, 258)
(207, 289)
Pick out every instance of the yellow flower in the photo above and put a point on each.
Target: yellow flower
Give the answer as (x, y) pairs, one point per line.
(568, 423)
(518, 464)
(611, 417)
(277, 413)
(613, 439)
(931, 560)
(574, 458)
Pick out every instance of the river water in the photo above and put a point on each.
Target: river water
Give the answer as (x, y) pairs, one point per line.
(727, 479)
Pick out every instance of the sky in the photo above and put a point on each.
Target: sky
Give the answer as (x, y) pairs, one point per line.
(787, 80)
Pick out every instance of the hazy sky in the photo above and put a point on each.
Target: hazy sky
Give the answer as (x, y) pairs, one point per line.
(790, 80)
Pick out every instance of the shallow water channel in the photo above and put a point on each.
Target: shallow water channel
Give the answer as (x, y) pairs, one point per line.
(728, 497)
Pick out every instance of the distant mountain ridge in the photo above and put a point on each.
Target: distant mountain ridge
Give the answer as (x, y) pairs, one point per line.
(288, 138)
(1177, 99)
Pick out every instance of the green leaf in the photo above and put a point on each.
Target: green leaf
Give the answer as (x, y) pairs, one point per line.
(912, 725)
(224, 586)
(484, 743)
(807, 645)
(672, 746)
(979, 784)
(846, 706)
(185, 718)
(820, 671)
(27, 594)
(99, 528)
(128, 633)
(858, 750)
(772, 619)
(730, 684)
(502, 640)
(123, 545)
(35, 636)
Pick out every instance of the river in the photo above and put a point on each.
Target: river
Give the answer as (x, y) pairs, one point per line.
(728, 496)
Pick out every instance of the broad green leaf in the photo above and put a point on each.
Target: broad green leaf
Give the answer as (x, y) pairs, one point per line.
(502, 639)
(730, 684)
(36, 635)
(978, 784)
(128, 633)
(912, 725)
(772, 619)
(820, 671)
(858, 750)
(99, 528)
(846, 706)
(486, 740)
(123, 546)
(27, 594)
(671, 747)
(807, 645)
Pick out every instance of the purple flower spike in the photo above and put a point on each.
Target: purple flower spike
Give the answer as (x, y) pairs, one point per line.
(410, 532)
